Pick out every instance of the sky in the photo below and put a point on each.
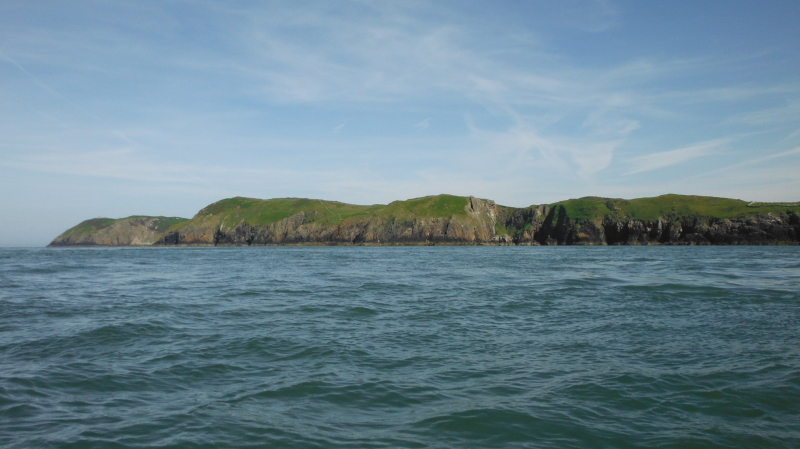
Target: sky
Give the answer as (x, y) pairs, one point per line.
(118, 108)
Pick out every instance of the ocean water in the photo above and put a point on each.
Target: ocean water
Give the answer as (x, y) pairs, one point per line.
(395, 347)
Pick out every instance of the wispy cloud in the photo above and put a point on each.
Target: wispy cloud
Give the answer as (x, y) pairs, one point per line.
(30, 76)
(758, 161)
(369, 101)
(527, 150)
(669, 158)
(789, 112)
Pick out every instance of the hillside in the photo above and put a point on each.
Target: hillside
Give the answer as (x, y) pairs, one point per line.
(448, 219)
(665, 219)
(247, 221)
(667, 206)
(130, 231)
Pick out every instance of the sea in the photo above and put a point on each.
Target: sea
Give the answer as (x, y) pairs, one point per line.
(400, 347)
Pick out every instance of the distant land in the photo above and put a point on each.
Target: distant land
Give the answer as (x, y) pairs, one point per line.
(455, 220)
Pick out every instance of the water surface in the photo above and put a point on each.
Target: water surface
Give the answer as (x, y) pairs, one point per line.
(372, 347)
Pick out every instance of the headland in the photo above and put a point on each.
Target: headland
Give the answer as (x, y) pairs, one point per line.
(455, 220)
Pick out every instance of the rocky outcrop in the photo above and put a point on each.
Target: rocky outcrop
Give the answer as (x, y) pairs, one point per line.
(554, 227)
(132, 231)
(445, 219)
(476, 226)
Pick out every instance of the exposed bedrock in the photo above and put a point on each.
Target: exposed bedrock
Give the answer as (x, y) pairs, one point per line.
(131, 231)
(477, 226)
(447, 219)
(558, 229)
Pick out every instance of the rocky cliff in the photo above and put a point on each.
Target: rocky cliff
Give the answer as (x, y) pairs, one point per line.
(130, 231)
(447, 219)
(442, 219)
(553, 226)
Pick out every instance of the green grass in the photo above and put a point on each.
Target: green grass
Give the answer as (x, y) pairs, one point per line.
(759, 204)
(234, 211)
(499, 229)
(587, 208)
(89, 226)
(665, 206)
(97, 224)
(428, 206)
(164, 223)
(231, 212)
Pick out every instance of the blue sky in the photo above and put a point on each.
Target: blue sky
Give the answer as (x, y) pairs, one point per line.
(116, 108)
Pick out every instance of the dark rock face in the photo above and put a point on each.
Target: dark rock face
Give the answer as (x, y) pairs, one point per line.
(542, 225)
(133, 231)
(555, 228)
(476, 227)
(481, 222)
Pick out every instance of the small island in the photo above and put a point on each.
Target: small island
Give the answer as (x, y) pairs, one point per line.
(455, 220)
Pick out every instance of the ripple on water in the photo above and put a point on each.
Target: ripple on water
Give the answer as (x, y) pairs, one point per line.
(400, 347)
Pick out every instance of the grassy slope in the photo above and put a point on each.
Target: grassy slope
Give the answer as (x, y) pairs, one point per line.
(98, 224)
(89, 226)
(595, 209)
(164, 223)
(231, 212)
(428, 206)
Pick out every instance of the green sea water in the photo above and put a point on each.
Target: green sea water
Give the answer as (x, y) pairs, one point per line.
(400, 347)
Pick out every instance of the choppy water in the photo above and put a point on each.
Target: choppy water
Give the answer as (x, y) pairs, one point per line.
(367, 347)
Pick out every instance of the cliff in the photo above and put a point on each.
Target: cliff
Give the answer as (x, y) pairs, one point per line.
(244, 221)
(447, 219)
(130, 231)
(555, 225)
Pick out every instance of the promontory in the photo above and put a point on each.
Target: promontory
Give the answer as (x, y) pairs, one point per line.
(455, 220)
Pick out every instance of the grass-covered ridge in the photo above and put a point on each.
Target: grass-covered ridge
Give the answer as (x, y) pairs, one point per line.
(91, 225)
(231, 212)
(97, 224)
(164, 223)
(136, 230)
(437, 206)
(444, 216)
(666, 206)
(449, 219)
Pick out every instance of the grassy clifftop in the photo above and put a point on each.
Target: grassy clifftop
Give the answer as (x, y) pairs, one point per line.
(299, 220)
(232, 211)
(439, 218)
(134, 230)
(95, 225)
(667, 206)
(429, 206)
